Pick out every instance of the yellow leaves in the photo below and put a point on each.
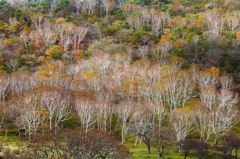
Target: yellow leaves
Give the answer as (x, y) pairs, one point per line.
(45, 74)
(54, 49)
(141, 62)
(25, 29)
(131, 83)
(116, 55)
(159, 84)
(182, 73)
(2, 69)
(177, 61)
(42, 111)
(165, 76)
(238, 35)
(212, 72)
(199, 21)
(215, 70)
(185, 109)
(176, 58)
(12, 28)
(186, 112)
(40, 58)
(8, 41)
(20, 51)
(11, 41)
(165, 38)
(167, 31)
(76, 80)
(165, 68)
(90, 75)
(60, 20)
(126, 5)
(90, 20)
(50, 67)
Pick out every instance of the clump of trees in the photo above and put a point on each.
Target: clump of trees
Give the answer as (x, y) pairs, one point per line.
(164, 73)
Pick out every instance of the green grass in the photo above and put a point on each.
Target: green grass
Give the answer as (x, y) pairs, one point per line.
(140, 152)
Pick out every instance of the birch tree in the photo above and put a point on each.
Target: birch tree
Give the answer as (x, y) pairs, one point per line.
(86, 110)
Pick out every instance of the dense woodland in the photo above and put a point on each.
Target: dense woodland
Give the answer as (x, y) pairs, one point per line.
(95, 79)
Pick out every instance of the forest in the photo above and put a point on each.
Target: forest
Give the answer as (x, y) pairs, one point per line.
(119, 79)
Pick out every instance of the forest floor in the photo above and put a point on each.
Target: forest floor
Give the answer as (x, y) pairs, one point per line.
(140, 152)
(13, 144)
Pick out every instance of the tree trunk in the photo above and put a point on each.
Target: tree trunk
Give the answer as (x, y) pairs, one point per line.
(122, 135)
(236, 153)
(136, 141)
(6, 135)
(149, 149)
(50, 122)
(179, 150)
(216, 138)
(185, 156)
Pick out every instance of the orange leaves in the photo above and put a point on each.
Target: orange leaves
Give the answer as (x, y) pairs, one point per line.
(25, 29)
(60, 20)
(20, 51)
(79, 54)
(36, 46)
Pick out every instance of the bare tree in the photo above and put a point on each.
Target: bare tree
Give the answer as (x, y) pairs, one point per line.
(13, 65)
(64, 31)
(29, 120)
(103, 113)
(44, 35)
(57, 103)
(108, 6)
(79, 34)
(202, 122)
(223, 113)
(90, 5)
(162, 139)
(134, 21)
(86, 110)
(143, 125)
(124, 112)
(182, 123)
(4, 86)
